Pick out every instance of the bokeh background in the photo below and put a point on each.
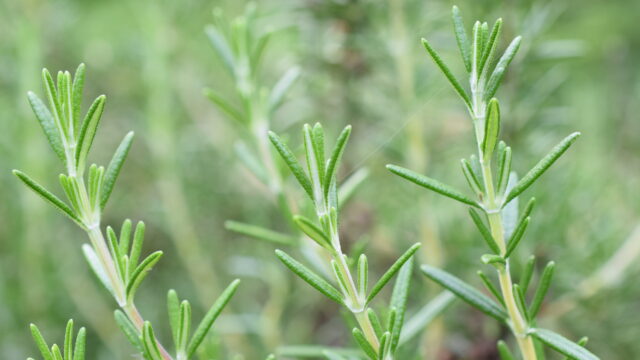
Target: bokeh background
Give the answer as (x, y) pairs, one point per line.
(362, 64)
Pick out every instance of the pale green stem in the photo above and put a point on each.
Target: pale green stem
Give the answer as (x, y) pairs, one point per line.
(519, 325)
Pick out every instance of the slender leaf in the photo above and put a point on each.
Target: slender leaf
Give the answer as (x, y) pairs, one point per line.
(461, 38)
(417, 322)
(474, 182)
(88, 130)
(543, 287)
(141, 272)
(466, 292)
(259, 232)
(505, 353)
(364, 344)
(562, 344)
(527, 274)
(363, 275)
(490, 46)
(292, 163)
(79, 348)
(129, 330)
(447, 73)
(221, 46)
(173, 308)
(213, 313)
(517, 236)
(491, 129)
(431, 184)
(334, 160)
(283, 85)
(486, 234)
(96, 266)
(48, 124)
(489, 285)
(310, 277)
(48, 196)
(223, 104)
(149, 342)
(41, 343)
(541, 166)
(375, 322)
(392, 271)
(76, 94)
(113, 170)
(399, 302)
(498, 72)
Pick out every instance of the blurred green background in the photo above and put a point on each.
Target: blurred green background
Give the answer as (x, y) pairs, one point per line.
(362, 64)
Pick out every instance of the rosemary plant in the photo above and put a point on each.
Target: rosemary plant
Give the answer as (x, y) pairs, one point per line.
(496, 189)
(320, 184)
(71, 350)
(116, 259)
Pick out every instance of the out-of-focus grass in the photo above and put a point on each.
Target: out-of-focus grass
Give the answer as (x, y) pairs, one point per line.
(362, 64)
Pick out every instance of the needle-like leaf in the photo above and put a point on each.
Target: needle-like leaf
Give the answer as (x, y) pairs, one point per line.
(392, 271)
(447, 73)
(431, 184)
(562, 344)
(541, 167)
(461, 38)
(292, 163)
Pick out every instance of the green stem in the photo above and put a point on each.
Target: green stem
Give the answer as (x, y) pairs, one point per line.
(519, 325)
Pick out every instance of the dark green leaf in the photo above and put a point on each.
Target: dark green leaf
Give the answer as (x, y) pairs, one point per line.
(489, 285)
(431, 184)
(129, 330)
(41, 343)
(525, 279)
(491, 129)
(543, 287)
(141, 272)
(399, 302)
(490, 46)
(88, 130)
(45, 194)
(517, 236)
(334, 160)
(392, 271)
(292, 163)
(310, 277)
(505, 353)
(213, 313)
(364, 344)
(113, 170)
(541, 166)
(486, 234)
(445, 69)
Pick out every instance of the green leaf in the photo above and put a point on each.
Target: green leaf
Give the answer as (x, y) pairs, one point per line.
(76, 94)
(392, 271)
(173, 308)
(184, 326)
(474, 182)
(461, 38)
(505, 353)
(88, 131)
(521, 302)
(141, 272)
(41, 343)
(489, 285)
(543, 287)
(399, 302)
(562, 344)
(582, 342)
(375, 322)
(52, 96)
(504, 167)
(281, 88)
(113, 170)
(491, 129)
(211, 316)
(314, 164)
(476, 49)
(313, 232)
(517, 236)
(149, 342)
(221, 46)
(310, 277)
(384, 341)
(498, 72)
(129, 330)
(431, 184)
(79, 349)
(541, 167)
(527, 274)
(364, 344)
(445, 69)
(225, 106)
(48, 124)
(490, 46)
(466, 292)
(136, 247)
(292, 163)
(363, 275)
(259, 232)
(486, 234)
(68, 341)
(334, 160)
(49, 197)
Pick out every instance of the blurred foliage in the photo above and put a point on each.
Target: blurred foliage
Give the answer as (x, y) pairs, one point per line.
(362, 64)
